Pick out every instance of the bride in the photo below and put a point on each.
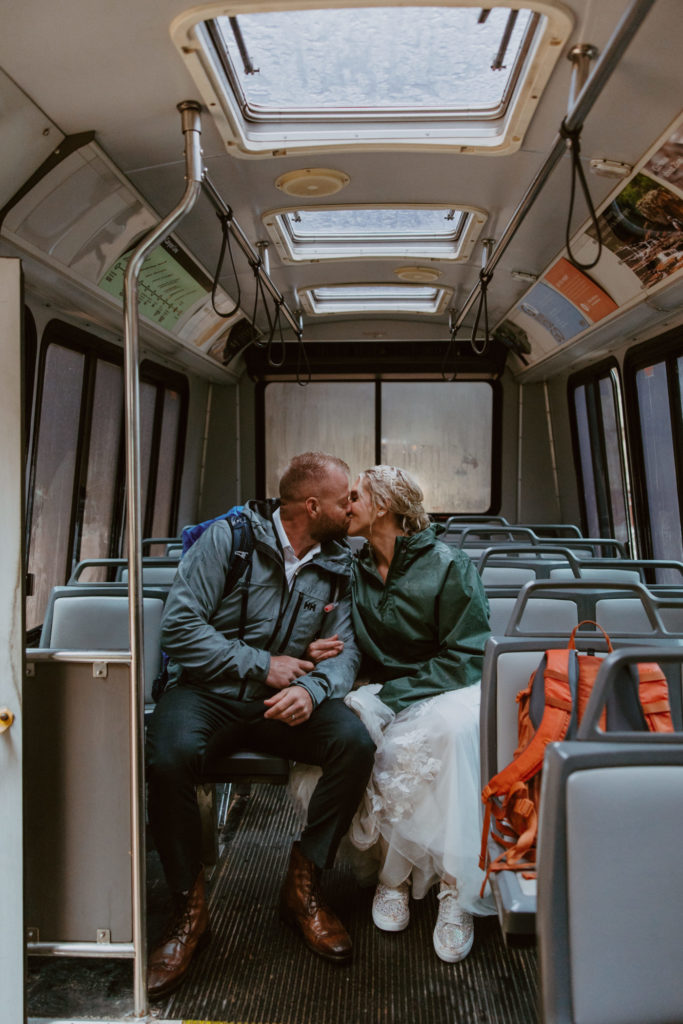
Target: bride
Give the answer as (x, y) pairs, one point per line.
(421, 618)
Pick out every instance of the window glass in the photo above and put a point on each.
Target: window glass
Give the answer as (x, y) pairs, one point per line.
(586, 461)
(442, 434)
(336, 417)
(417, 232)
(374, 298)
(327, 61)
(612, 435)
(375, 224)
(168, 447)
(148, 398)
(53, 483)
(103, 460)
(660, 465)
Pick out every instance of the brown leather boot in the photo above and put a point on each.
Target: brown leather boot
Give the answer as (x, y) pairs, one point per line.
(187, 932)
(302, 908)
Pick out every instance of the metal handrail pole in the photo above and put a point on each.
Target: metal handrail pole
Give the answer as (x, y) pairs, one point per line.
(604, 66)
(191, 127)
(247, 248)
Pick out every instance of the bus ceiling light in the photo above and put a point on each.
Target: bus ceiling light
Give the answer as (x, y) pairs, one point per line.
(610, 168)
(420, 275)
(312, 182)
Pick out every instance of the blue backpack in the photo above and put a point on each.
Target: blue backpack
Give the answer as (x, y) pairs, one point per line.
(240, 556)
(242, 542)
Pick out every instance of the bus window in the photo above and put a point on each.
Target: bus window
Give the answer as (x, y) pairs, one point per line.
(76, 506)
(104, 454)
(443, 433)
(52, 485)
(329, 416)
(165, 496)
(655, 375)
(599, 443)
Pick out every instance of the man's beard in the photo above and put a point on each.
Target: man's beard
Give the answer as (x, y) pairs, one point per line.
(327, 529)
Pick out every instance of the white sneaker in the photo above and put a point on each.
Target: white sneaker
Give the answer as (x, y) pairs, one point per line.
(454, 932)
(390, 907)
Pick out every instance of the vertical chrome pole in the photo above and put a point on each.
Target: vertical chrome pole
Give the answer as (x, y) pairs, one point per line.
(191, 127)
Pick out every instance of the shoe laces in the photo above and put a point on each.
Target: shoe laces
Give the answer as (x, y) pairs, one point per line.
(450, 911)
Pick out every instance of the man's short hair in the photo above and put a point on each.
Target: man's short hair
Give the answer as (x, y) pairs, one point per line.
(302, 476)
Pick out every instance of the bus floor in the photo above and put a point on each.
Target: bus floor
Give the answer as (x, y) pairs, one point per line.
(256, 970)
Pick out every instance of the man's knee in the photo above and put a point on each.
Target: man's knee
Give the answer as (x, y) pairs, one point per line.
(352, 740)
(173, 755)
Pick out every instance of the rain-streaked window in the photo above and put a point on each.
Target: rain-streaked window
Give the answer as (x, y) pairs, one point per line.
(352, 73)
(418, 232)
(374, 298)
(373, 60)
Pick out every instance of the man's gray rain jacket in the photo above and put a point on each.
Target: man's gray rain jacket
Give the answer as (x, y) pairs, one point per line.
(200, 627)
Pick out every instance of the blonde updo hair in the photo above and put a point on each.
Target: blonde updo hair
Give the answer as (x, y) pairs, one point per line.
(396, 491)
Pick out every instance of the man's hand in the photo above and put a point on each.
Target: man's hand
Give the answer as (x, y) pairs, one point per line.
(326, 647)
(284, 670)
(291, 706)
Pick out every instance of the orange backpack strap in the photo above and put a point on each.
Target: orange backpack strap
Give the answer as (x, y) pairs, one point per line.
(653, 691)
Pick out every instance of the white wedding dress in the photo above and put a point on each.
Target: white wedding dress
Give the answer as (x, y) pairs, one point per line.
(422, 812)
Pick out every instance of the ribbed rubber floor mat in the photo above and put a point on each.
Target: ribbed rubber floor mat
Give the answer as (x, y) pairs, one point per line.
(257, 971)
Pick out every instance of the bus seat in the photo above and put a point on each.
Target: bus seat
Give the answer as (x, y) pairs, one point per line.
(614, 956)
(505, 576)
(616, 574)
(539, 615)
(508, 665)
(99, 621)
(154, 574)
(596, 804)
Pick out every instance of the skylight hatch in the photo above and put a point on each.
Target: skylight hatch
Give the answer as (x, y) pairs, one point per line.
(367, 232)
(374, 298)
(353, 73)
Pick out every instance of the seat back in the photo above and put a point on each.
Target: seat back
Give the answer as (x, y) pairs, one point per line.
(97, 620)
(540, 615)
(609, 926)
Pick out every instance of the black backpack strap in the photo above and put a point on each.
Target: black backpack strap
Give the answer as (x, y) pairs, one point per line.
(240, 562)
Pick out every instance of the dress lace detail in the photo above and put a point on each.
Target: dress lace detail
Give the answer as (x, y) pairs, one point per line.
(421, 815)
(397, 786)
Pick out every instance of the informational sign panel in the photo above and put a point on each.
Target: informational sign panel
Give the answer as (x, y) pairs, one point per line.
(168, 285)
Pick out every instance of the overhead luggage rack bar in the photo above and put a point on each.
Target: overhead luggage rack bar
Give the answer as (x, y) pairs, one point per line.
(257, 263)
(605, 65)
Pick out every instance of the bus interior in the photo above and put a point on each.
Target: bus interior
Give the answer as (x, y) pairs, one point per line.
(440, 234)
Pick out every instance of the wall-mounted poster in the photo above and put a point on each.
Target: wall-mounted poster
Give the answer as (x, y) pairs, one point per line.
(643, 225)
(565, 302)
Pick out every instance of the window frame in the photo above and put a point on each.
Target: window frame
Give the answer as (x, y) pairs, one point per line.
(192, 35)
(590, 379)
(667, 349)
(496, 430)
(319, 300)
(94, 348)
(455, 247)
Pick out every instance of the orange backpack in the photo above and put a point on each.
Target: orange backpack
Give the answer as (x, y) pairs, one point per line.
(550, 709)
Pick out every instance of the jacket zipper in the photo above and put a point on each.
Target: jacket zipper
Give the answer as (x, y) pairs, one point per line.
(285, 639)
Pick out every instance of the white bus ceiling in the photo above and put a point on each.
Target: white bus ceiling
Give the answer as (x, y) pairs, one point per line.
(117, 73)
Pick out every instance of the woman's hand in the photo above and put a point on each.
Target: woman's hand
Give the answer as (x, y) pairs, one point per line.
(327, 647)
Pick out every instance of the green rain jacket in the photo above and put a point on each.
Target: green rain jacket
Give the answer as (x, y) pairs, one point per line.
(425, 629)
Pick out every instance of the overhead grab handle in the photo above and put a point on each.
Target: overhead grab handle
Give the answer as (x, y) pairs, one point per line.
(589, 93)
